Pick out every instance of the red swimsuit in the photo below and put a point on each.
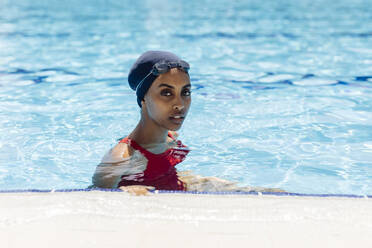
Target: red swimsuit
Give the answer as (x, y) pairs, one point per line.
(160, 171)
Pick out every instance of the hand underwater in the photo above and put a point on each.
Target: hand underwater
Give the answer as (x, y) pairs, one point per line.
(137, 189)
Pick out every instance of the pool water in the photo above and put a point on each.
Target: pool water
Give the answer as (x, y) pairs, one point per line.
(282, 90)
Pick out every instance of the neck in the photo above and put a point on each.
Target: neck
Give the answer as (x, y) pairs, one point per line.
(149, 132)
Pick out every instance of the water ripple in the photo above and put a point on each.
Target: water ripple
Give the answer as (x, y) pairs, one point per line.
(281, 90)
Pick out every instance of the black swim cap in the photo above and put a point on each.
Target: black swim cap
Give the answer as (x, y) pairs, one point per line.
(140, 77)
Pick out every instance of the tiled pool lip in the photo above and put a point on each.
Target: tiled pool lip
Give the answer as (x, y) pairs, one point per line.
(188, 192)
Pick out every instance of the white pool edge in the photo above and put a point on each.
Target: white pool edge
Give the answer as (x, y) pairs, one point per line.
(96, 219)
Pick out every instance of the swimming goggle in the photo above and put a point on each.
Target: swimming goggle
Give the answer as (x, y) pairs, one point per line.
(163, 67)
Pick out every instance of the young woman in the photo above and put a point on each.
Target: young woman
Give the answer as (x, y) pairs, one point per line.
(147, 157)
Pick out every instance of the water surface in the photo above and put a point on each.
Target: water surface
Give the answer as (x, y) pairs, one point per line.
(281, 89)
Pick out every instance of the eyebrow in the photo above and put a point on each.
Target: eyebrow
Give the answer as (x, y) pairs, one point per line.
(170, 86)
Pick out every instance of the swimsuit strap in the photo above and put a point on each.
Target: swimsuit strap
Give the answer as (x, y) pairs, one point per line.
(171, 136)
(179, 143)
(135, 146)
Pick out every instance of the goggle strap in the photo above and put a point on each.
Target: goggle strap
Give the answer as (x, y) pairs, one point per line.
(140, 83)
(155, 70)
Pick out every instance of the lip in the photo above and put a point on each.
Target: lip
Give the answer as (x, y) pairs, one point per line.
(177, 121)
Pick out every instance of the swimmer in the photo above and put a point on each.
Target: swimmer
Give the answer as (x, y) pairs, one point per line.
(146, 159)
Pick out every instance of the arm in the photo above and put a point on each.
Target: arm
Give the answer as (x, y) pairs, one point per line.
(107, 174)
(103, 178)
(214, 184)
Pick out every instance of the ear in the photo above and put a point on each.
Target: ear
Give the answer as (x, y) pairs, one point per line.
(143, 108)
(143, 105)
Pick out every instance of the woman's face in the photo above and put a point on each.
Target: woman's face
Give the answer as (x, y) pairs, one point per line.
(168, 99)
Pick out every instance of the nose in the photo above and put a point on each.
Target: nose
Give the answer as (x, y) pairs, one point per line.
(178, 107)
(178, 104)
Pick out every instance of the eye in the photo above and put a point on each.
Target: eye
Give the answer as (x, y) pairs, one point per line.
(165, 92)
(186, 92)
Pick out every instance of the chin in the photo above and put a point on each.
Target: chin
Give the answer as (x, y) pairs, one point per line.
(171, 126)
(174, 128)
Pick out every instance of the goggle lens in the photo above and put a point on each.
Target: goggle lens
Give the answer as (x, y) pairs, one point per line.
(163, 67)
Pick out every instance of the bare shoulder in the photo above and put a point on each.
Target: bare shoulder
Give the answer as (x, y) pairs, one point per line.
(117, 153)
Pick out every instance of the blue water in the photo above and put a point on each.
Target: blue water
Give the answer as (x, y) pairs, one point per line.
(282, 90)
